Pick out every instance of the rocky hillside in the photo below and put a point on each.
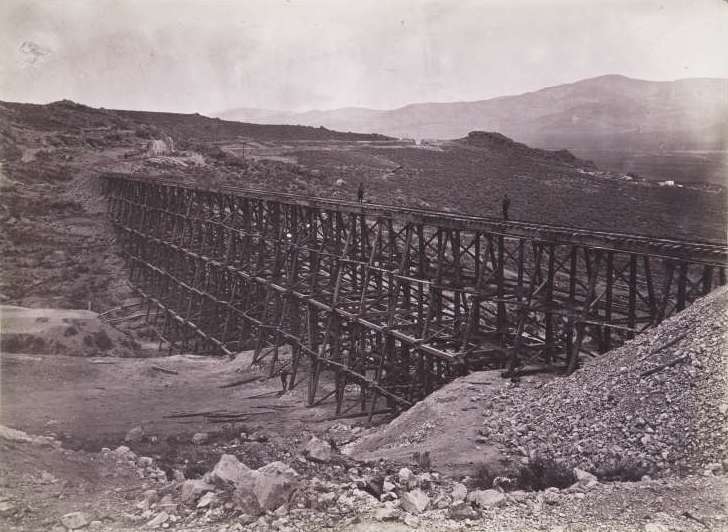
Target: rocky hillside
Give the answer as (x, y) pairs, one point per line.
(612, 111)
(652, 127)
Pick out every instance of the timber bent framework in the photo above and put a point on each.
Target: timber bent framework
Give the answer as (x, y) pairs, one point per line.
(392, 301)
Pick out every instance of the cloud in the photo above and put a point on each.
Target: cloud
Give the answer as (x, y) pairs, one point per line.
(32, 54)
(195, 55)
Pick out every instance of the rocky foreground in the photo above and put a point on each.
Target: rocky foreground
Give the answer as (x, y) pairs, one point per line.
(635, 440)
(314, 488)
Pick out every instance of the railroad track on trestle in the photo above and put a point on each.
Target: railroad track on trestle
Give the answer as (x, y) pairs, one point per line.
(393, 301)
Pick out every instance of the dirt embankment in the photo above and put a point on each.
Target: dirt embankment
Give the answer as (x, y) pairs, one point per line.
(656, 406)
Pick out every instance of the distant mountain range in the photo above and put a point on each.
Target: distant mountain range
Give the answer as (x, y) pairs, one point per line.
(608, 114)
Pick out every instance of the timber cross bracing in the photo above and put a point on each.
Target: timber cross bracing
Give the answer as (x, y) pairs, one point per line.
(393, 300)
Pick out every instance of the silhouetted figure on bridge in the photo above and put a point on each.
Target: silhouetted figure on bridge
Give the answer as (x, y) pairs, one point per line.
(506, 205)
(360, 192)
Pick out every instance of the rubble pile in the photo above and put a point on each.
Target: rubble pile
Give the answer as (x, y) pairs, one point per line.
(658, 405)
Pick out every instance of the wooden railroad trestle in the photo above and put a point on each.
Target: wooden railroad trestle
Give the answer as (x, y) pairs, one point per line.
(396, 301)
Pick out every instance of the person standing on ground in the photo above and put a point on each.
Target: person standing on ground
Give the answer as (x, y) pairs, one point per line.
(360, 192)
(506, 205)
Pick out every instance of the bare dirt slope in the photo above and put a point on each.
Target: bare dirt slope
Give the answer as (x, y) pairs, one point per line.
(445, 425)
(94, 402)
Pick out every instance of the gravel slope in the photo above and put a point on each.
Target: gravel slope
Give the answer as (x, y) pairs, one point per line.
(626, 407)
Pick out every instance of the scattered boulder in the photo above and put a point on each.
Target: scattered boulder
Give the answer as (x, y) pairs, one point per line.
(274, 484)
(584, 476)
(462, 511)
(208, 499)
(459, 492)
(415, 501)
(134, 435)
(158, 520)
(75, 520)
(317, 450)
(200, 438)
(375, 486)
(123, 452)
(405, 475)
(193, 489)
(167, 504)
(229, 470)
(245, 499)
(486, 498)
(387, 513)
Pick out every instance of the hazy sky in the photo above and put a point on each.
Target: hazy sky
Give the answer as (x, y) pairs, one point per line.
(207, 56)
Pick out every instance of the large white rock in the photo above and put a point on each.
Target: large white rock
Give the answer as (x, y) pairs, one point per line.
(459, 492)
(274, 484)
(317, 450)
(486, 498)
(229, 470)
(415, 501)
(583, 476)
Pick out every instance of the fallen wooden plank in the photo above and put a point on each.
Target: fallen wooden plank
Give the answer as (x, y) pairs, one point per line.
(239, 382)
(666, 345)
(671, 363)
(165, 370)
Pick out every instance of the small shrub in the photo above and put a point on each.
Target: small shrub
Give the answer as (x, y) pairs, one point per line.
(626, 469)
(70, 331)
(102, 340)
(484, 476)
(542, 473)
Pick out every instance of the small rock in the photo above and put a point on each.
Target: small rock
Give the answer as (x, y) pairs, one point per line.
(388, 486)
(122, 451)
(655, 527)
(375, 485)
(583, 476)
(415, 501)
(158, 520)
(411, 520)
(229, 470)
(404, 475)
(317, 450)
(74, 520)
(193, 489)
(486, 498)
(145, 461)
(200, 438)
(95, 525)
(462, 511)
(459, 492)
(47, 478)
(208, 499)
(7, 508)
(551, 497)
(134, 435)
(386, 513)
(167, 504)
